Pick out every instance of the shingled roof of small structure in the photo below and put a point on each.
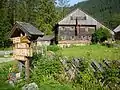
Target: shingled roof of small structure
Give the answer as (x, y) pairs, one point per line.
(45, 38)
(27, 28)
(117, 29)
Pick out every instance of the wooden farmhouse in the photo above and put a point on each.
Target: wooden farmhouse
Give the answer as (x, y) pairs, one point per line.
(76, 28)
(117, 33)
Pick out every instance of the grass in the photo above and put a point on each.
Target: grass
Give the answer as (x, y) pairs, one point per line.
(96, 52)
(8, 63)
(9, 48)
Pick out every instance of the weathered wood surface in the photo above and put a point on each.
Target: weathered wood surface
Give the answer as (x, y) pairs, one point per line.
(18, 57)
(23, 52)
(22, 39)
(22, 45)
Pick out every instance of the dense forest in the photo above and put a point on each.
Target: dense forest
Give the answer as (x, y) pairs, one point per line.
(40, 13)
(44, 14)
(105, 11)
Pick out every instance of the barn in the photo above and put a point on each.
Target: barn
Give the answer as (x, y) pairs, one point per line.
(76, 28)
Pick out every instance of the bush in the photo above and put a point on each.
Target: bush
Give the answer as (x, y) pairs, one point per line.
(109, 45)
(53, 48)
(45, 69)
(100, 35)
(4, 71)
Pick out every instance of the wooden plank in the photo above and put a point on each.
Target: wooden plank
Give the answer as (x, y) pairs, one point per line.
(23, 52)
(16, 40)
(22, 45)
(22, 39)
(27, 71)
(17, 57)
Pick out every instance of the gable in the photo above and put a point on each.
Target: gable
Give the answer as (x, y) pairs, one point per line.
(117, 29)
(83, 19)
(25, 28)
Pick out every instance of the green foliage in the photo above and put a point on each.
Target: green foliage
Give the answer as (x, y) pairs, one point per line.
(45, 69)
(53, 48)
(106, 11)
(96, 52)
(110, 76)
(49, 74)
(63, 7)
(100, 35)
(40, 13)
(4, 71)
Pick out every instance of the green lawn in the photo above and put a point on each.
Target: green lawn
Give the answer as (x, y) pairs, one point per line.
(96, 52)
(11, 63)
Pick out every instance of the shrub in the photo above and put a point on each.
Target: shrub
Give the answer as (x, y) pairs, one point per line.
(4, 71)
(45, 69)
(53, 48)
(100, 35)
(109, 45)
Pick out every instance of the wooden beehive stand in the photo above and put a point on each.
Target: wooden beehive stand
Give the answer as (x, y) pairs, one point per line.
(23, 35)
(22, 51)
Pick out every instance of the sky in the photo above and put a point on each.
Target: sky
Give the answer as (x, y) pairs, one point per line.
(72, 2)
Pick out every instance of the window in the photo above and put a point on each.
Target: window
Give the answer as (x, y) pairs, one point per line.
(82, 30)
(63, 37)
(63, 28)
(91, 30)
(78, 17)
(73, 27)
(72, 38)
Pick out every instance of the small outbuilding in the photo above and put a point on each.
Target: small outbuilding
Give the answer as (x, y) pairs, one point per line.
(117, 33)
(45, 40)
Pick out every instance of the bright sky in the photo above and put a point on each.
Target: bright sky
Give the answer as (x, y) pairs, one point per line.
(72, 2)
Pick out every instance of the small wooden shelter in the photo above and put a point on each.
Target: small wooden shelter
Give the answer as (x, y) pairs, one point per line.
(46, 40)
(23, 35)
(117, 33)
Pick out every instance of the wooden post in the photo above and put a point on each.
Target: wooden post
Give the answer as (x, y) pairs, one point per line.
(20, 66)
(27, 72)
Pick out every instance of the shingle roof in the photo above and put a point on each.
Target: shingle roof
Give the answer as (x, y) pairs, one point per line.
(45, 38)
(81, 20)
(117, 29)
(27, 28)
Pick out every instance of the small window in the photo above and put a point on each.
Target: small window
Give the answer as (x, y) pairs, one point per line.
(71, 18)
(63, 38)
(72, 27)
(63, 28)
(72, 38)
(82, 30)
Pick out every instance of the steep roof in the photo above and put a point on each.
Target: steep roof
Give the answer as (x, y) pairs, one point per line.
(117, 29)
(45, 38)
(82, 18)
(27, 28)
